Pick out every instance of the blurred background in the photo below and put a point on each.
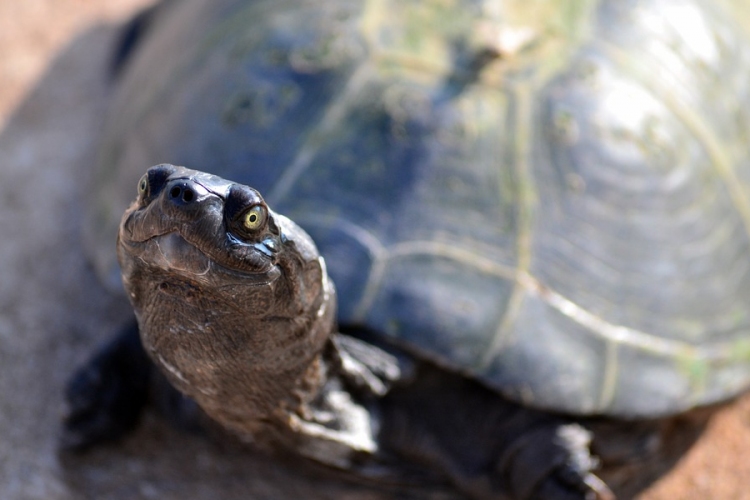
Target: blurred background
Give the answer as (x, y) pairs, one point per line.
(53, 92)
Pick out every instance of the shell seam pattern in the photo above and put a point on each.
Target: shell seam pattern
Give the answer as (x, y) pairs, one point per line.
(327, 125)
(521, 167)
(618, 334)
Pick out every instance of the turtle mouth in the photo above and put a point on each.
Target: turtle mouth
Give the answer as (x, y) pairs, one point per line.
(172, 253)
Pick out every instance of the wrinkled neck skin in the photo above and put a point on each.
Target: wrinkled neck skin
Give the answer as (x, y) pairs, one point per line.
(238, 325)
(234, 305)
(249, 351)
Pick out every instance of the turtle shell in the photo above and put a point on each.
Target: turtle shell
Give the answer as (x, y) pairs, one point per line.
(551, 197)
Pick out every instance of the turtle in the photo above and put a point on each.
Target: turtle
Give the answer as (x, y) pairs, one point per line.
(513, 247)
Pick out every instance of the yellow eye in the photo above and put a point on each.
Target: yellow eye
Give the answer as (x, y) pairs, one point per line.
(254, 218)
(143, 185)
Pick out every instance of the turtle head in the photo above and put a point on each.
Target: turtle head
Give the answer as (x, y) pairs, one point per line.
(232, 300)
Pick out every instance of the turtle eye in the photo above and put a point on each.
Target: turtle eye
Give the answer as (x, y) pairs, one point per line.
(254, 218)
(143, 185)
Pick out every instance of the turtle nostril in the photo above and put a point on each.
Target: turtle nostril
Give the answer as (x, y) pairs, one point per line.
(185, 193)
(182, 193)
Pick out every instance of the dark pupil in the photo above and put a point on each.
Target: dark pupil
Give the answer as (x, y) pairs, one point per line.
(253, 218)
(143, 185)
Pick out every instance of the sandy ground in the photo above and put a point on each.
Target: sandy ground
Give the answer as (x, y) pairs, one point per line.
(52, 311)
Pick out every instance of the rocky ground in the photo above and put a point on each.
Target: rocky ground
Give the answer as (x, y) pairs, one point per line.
(52, 95)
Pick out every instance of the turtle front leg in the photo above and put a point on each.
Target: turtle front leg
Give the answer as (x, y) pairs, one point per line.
(106, 395)
(488, 446)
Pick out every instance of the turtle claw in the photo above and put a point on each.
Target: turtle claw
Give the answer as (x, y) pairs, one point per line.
(575, 441)
(598, 487)
(105, 396)
(569, 484)
(562, 471)
(553, 490)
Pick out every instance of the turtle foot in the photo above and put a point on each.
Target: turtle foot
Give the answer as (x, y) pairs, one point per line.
(105, 396)
(488, 446)
(553, 462)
